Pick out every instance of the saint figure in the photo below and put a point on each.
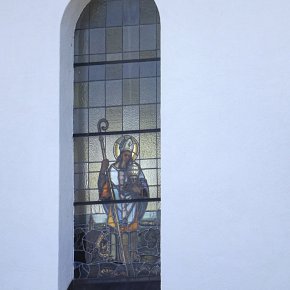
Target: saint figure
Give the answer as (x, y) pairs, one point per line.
(124, 180)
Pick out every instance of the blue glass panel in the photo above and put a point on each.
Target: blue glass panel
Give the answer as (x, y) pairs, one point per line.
(130, 38)
(114, 93)
(97, 40)
(97, 94)
(130, 70)
(148, 37)
(148, 69)
(148, 12)
(114, 12)
(81, 74)
(97, 72)
(98, 13)
(131, 12)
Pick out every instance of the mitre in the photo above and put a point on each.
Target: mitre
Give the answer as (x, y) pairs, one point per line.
(126, 145)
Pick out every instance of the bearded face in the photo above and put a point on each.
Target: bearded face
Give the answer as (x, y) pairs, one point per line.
(126, 157)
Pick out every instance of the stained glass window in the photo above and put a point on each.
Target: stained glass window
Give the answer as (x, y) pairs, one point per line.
(117, 141)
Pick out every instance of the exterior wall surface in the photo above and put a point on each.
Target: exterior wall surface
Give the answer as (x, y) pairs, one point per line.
(225, 144)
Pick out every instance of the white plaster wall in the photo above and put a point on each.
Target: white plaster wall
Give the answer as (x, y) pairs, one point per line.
(225, 146)
(29, 155)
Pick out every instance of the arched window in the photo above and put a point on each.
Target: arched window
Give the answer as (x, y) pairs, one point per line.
(117, 141)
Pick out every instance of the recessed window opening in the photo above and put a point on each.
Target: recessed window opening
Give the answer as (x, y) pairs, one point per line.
(117, 141)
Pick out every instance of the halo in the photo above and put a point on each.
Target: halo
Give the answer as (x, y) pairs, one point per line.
(135, 151)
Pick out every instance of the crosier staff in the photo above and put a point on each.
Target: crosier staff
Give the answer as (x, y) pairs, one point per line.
(103, 125)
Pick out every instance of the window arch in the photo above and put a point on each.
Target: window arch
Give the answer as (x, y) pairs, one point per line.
(117, 112)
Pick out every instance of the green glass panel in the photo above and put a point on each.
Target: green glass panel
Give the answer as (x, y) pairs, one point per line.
(147, 117)
(114, 39)
(81, 149)
(131, 91)
(80, 95)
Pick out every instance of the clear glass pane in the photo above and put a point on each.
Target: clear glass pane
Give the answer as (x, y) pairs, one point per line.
(158, 116)
(158, 145)
(147, 116)
(131, 55)
(113, 93)
(148, 145)
(153, 191)
(93, 180)
(148, 163)
(151, 176)
(95, 167)
(97, 94)
(97, 40)
(147, 90)
(114, 56)
(114, 117)
(130, 118)
(95, 153)
(148, 37)
(130, 38)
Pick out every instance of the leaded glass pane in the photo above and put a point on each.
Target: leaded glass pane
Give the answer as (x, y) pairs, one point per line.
(131, 38)
(97, 41)
(81, 95)
(97, 94)
(117, 141)
(131, 91)
(114, 39)
(148, 37)
(131, 12)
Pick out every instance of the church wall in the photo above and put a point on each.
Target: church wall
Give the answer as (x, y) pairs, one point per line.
(225, 144)
(29, 126)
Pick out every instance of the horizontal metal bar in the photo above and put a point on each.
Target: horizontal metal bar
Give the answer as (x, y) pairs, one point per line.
(116, 61)
(79, 203)
(116, 133)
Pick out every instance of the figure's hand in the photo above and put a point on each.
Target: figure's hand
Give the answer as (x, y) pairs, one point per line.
(105, 165)
(136, 189)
